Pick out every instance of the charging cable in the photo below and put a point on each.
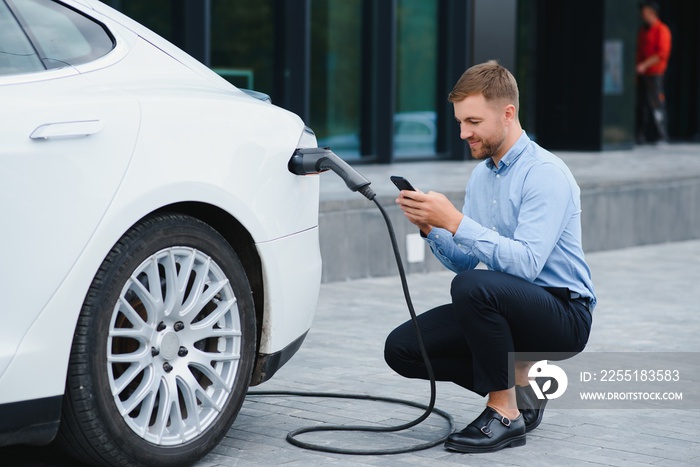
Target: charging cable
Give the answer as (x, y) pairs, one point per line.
(316, 160)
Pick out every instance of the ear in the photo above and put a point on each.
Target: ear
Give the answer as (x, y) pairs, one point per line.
(510, 114)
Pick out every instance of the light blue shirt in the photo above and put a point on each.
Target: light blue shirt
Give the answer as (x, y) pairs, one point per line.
(522, 218)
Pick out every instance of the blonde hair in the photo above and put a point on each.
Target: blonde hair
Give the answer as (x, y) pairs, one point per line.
(490, 79)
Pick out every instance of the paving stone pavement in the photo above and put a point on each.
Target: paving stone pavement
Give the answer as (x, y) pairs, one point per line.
(646, 303)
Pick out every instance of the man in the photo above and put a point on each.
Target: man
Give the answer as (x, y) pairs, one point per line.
(521, 218)
(653, 50)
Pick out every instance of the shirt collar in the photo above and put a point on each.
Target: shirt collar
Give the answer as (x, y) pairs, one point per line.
(512, 155)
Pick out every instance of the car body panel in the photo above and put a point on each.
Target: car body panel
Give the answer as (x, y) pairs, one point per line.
(294, 252)
(58, 187)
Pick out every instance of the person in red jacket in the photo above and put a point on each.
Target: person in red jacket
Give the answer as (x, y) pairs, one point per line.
(653, 50)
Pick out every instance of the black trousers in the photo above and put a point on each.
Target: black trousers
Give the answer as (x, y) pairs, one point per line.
(651, 109)
(492, 314)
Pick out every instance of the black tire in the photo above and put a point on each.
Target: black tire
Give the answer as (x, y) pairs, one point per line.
(92, 427)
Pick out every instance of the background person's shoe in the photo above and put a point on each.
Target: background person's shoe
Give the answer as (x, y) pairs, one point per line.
(488, 433)
(531, 408)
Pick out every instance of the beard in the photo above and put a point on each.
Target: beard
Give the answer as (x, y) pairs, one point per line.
(487, 147)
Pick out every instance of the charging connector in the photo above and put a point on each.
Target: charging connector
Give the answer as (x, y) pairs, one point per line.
(309, 161)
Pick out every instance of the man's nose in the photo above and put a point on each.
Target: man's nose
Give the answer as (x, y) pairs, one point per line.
(465, 134)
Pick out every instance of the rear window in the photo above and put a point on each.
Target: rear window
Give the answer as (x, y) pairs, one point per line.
(61, 35)
(17, 55)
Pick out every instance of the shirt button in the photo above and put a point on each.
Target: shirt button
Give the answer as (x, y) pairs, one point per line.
(494, 201)
(493, 228)
(498, 175)
(436, 237)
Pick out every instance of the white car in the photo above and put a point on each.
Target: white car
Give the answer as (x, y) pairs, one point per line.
(156, 255)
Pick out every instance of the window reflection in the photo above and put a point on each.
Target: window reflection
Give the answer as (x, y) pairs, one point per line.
(242, 43)
(415, 131)
(336, 68)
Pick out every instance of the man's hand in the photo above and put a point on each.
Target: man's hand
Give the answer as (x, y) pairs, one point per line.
(428, 210)
(643, 66)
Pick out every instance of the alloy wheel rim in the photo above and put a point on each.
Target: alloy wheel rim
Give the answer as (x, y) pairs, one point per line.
(174, 346)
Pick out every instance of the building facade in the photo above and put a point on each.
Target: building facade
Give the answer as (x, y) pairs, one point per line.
(371, 77)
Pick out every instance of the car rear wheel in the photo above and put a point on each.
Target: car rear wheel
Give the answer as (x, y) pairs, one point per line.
(163, 349)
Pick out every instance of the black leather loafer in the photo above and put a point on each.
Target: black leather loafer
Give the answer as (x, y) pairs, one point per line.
(530, 406)
(488, 433)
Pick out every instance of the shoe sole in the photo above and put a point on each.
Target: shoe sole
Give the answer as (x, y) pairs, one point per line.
(536, 423)
(512, 442)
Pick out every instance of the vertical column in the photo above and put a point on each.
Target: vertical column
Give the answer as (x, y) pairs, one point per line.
(378, 80)
(192, 31)
(293, 56)
(695, 116)
(454, 57)
(494, 31)
(569, 89)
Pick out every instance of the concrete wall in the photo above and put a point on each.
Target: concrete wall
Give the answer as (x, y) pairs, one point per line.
(355, 244)
(640, 213)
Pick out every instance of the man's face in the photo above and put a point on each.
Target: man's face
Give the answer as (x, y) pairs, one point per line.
(648, 15)
(481, 124)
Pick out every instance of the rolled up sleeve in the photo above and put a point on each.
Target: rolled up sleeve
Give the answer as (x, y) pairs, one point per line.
(453, 256)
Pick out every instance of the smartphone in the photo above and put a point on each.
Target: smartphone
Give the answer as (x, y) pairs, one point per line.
(401, 183)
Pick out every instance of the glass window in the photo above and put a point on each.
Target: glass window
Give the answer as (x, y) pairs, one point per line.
(62, 36)
(619, 79)
(416, 78)
(242, 43)
(336, 80)
(16, 52)
(157, 15)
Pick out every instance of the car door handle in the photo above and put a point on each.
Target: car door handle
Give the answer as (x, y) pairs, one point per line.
(67, 129)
